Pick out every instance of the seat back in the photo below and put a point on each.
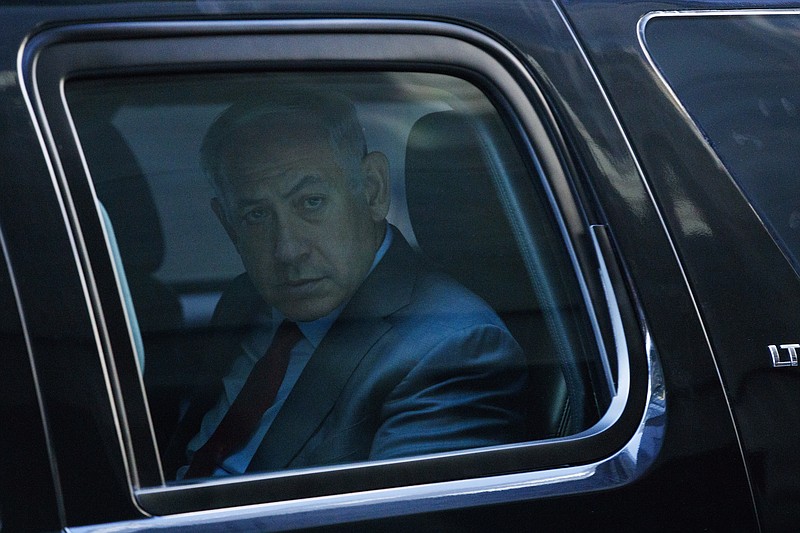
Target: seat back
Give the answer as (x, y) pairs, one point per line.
(128, 204)
(124, 192)
(460, 223)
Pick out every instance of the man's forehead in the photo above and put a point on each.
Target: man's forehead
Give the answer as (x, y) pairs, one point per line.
(274, 153)
(280, 172)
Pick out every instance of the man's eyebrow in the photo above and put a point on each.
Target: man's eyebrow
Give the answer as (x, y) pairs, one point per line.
(306, 181)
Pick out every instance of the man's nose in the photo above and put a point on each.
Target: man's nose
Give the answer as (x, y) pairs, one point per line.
(290, 243)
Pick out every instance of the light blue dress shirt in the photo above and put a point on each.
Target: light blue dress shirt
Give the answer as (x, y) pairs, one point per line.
(254, 346)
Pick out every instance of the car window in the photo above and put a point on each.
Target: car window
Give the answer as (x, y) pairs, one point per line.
(491, 344)
(742, 91)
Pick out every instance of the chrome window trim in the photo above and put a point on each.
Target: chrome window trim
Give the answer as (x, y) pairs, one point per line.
(29, 90)
(622, 466)
(641, 28)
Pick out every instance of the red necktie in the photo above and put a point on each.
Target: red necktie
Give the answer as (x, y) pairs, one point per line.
(245, 413)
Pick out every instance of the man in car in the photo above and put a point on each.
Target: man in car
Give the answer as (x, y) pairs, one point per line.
(355, 349)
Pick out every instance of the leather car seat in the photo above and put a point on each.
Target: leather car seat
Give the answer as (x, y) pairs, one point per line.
(460, 224)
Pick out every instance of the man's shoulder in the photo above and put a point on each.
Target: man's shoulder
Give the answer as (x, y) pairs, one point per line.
(237, 304)
(435, 297)
(438, 296)
(432, 295)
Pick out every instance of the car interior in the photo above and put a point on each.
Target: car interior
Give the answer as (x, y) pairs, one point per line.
(456, 177)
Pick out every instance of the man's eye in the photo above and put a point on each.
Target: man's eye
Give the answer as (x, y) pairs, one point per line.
(255, 216)
(312, 203)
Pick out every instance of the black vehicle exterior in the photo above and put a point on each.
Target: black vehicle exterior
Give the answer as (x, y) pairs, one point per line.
(705, 295)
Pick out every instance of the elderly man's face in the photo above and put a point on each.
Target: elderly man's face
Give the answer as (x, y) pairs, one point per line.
(305, 236)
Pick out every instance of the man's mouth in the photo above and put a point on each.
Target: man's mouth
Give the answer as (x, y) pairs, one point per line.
(302, 285)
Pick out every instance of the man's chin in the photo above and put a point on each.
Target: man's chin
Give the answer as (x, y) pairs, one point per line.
(306, 311)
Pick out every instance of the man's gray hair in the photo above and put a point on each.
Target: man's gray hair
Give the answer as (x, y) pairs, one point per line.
(333, 112)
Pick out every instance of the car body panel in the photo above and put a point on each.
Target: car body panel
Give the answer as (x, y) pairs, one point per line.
(701, 271)
(714, 227)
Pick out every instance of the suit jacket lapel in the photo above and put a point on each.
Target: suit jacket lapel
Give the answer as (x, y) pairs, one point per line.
(361, 324)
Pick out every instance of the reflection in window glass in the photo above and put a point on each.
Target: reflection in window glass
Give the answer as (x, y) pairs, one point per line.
(326, 269)
(744, 93)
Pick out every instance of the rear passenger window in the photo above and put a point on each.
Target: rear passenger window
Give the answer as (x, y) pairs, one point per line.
(744, 94)
(388, 216)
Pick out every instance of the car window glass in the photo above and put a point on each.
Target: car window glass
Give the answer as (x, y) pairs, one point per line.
(456, 323)
(744, 93)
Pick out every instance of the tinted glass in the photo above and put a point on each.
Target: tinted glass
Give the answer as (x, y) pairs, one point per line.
(737, 76)
(389, 215)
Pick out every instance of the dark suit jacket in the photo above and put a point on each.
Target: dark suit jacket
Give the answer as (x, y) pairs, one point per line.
(415, 364)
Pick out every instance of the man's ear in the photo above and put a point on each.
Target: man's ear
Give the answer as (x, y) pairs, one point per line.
(219, 210)
(376, 184)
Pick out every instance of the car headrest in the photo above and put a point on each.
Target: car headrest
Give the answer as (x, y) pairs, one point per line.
(456, 211)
